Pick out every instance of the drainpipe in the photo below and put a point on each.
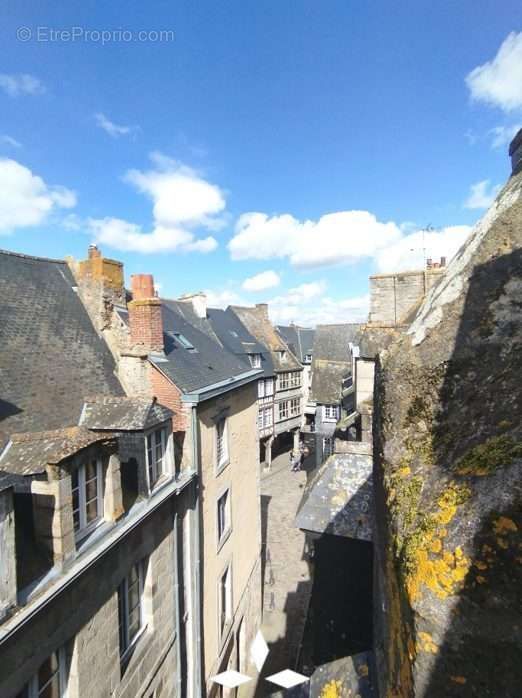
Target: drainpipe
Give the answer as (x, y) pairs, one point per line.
(177, 604)
(198, 627)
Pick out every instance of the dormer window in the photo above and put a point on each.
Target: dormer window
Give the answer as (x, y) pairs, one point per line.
(308, 358)
(282, 355)
(87, 496)
(255, 360)
(156, 455)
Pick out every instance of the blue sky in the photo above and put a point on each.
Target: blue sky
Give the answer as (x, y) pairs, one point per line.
(305, 142)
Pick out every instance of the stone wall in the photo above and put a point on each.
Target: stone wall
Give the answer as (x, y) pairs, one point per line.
(7, 553)
(394, 296)
(84, 616)
(448, 473)
(242, 547)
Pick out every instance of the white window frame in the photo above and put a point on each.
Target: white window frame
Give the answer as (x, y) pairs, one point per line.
(269, 387)
(155, 471)
(84, 526)
(222, 454)
(283, 407)
(283, 380)
(255, 360)
(295, 407)
(330, 413)
(328, 446)
(265, 417)
(225, 616)
(123, 611)
(223, 526)
(33, 689)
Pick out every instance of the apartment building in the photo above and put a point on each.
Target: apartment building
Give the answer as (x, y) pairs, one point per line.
(332, 384)
(168, 349)
(300, 341)
(288, 372)
(237, 339)
(93, 582)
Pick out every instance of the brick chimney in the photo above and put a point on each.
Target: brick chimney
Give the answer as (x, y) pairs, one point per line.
(146, 325)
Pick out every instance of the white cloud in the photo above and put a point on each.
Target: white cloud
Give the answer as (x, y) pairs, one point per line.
(178, 193)
(123, 235)
(223, 298)
(25, 199)
(342, 237)
(7, 140)
(262, 281)
(503, 135)
(182, 200)
(499, 81)
(407, 253)
(16, 85)
(114, 130)
(481, 194)
(308, 305)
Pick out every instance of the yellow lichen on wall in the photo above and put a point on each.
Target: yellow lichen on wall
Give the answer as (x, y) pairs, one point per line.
(428, 563)
(333, 689)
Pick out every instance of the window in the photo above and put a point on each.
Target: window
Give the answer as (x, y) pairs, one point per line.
(255, 360)
(87, 495)
(295, 406)
(265, 418)
(308, 359)
(130, 606)
(330, 413)
(51, 679)
(156, 451)
(265, 387)
(328, 447)
(221, 443)
(283, 410)
(183, 341)
(289, 379)
(225, 599)
(223, 517)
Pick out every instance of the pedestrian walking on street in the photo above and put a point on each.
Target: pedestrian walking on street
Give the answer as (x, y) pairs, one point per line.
(294, 461)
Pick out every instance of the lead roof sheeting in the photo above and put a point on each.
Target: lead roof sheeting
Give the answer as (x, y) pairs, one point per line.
(339, 498)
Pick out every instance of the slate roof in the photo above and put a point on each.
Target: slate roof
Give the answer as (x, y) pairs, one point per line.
(123, 413)
(50, 354)
(332, 361)
(331, 342)
(299, 339)
(236, 338)
(206, 363)
(29, 453)
(257, 322)
(339, 498)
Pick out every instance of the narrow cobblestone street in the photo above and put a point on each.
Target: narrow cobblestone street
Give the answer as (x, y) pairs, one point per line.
(287, 583)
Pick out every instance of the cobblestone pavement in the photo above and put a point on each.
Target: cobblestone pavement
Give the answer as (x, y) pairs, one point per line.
(287, 583)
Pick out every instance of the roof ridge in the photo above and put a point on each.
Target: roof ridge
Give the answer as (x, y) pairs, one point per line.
(30, 256)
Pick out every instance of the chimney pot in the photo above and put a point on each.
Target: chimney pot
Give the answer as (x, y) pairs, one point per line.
(142, 286)
(94, 252)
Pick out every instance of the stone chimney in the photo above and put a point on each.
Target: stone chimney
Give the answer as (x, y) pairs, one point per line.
(146, 325)
(100, 284)
(7, 553)
(263, 309)
(515, 153)
(199, 303)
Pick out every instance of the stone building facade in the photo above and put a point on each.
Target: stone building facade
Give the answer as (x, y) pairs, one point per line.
(168, 349)
(93, 516)
(393, 297)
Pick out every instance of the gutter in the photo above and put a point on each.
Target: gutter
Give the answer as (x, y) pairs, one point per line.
(210, 391)
(177, 620)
